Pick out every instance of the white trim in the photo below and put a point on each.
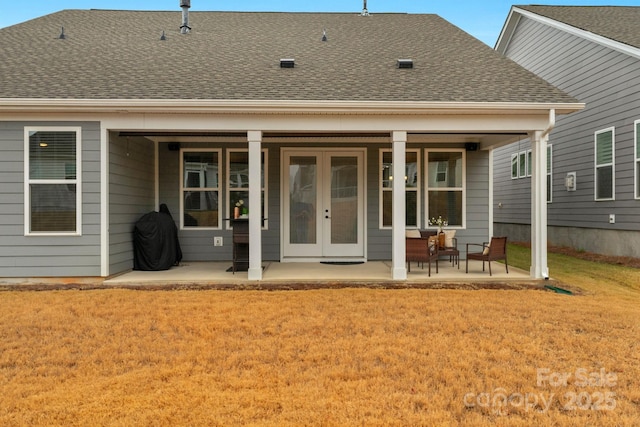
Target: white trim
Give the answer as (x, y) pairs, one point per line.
(227, 189)
(636, 147)
(539, 268)
(417, 189)
(514, 161)
(305, 252)
(28, 181)
(462, 189)
(398, 233)
(491, 183)
(587, 35)
(522, 164)
(611, 129)
(182, 187)
(104, 202)
(230, 106)
(550, 173)
(254, 141)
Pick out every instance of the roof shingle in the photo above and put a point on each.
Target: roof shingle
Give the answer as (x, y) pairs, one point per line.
(235, 55)
(619, 23)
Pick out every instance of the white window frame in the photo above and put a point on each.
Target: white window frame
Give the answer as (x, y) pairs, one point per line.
(529, 163)
(515, 169)
(228, 189)
(28, 181)
(183, 188)
(636, 134)
(463, 189)
(612, 164)
(417, 189)
(522, 164)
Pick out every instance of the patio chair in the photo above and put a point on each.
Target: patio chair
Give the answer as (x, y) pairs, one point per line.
(422, 250)
(452, 251)
(494, 251)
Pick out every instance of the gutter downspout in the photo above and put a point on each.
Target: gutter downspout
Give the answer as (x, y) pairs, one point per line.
(539, 267)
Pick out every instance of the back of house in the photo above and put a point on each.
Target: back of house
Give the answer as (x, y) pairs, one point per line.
(593, 169)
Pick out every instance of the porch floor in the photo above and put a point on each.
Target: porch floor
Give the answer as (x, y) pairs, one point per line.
(296, 275)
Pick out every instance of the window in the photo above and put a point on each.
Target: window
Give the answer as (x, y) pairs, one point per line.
(412, 188)
(446, 198)
(200, 188)
(549, 173)
(637, 138)
(53, 181)
(529, 163)
(238, 180)
(522, 164)
(604, 164)
(514, 166)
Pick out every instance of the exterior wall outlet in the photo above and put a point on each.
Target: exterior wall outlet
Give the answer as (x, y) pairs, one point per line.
(217, 241)
(612, 218)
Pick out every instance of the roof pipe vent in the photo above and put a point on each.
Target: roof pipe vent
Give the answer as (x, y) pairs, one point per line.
(185, 5)
(365, 11)
(287, 63)
(324, 35)
(405, 63)
(62, 36)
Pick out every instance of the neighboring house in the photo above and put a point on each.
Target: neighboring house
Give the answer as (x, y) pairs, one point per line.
(306, 117)
(592, 53)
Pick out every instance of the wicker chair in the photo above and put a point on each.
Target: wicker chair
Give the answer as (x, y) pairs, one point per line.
(422, 250)
(494, 251)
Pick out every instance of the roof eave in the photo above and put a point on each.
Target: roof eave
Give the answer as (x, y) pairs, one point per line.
(172, 106)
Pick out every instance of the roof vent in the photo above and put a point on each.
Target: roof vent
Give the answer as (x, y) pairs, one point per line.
(324, 35)
(365, 11)
(287, 63)
(405, 63)
(62, 36)
(163, 37)
(185, 5)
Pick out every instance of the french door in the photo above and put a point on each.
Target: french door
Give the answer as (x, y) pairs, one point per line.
(323, 206)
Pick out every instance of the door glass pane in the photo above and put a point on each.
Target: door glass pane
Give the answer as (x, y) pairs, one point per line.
(303, 195)
(344, 200)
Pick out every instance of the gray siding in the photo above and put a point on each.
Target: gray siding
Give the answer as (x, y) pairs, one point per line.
(197, 245)
(609, 83)
(477, 203)
(43, 256)
(131, 194)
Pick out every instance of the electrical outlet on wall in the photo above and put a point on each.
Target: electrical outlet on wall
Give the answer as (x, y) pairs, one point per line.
(217, 241)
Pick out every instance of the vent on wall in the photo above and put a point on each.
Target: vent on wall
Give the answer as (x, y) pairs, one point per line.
(405, 63)
(287, 63)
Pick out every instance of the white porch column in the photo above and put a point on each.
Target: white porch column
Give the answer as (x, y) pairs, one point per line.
(398, 254)
(539, 268)
(255, 212)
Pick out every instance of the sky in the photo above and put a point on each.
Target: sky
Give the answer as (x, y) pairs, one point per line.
(483, 19)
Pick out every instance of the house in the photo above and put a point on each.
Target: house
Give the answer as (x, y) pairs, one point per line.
(304, 117)
(593, 169)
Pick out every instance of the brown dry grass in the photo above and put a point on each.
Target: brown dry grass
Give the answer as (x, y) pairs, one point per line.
(323, 357)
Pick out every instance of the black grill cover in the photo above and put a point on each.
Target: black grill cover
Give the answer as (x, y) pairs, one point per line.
(155, 241)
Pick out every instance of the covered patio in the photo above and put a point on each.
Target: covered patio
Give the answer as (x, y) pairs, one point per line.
(304, 275)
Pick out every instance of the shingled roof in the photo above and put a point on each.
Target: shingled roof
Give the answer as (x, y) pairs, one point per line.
(236, 56)
(619, 23)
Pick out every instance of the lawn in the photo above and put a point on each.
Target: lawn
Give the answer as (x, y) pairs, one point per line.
(328, 357)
